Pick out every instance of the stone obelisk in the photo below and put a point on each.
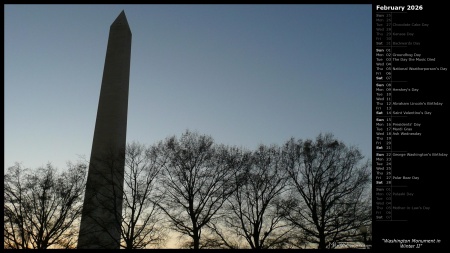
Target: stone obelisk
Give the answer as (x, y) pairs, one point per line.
(102, 209)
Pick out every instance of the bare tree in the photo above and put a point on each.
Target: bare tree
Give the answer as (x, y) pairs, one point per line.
(254, 212)
(42, 206)
(330, 187)
(194, 182)
(142, 225)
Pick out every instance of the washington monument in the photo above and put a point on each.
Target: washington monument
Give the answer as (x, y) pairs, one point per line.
(102, 208)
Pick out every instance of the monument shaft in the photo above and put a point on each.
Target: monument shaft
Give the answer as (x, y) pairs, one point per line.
(102, 209)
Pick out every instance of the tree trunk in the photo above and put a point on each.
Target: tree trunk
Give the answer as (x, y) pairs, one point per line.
(322, 244)
(196, 239)
(256, 236)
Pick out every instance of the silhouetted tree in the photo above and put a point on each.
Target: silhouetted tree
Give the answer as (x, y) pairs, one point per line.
(194, 182)
(142, 225)
(254, 212)
(42, 206)
(140, 222)
(330, 188)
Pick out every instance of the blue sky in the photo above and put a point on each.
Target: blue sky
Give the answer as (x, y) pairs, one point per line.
(244, 74)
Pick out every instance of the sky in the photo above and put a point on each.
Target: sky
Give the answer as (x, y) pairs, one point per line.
(243, 74)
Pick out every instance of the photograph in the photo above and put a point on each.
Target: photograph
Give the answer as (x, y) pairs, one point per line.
(188, 126)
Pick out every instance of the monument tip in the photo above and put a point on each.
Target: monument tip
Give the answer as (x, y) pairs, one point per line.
(121, 19)
(122, 15)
